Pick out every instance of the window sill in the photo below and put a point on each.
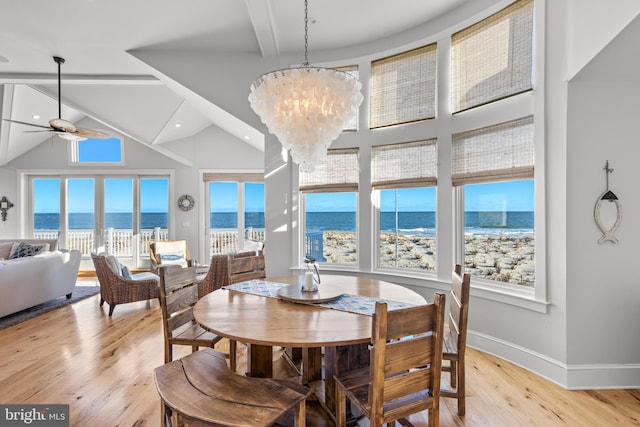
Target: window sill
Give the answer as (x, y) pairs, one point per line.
(501, 293)
(524, 298)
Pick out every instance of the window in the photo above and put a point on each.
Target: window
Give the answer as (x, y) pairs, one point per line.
(404, 176)
(498, 229)
(154, 208)
(493, 59)
(46, 207)
(330, 208)
(403, 88)
(104, 213)
(494, 166)
(236, 210)
(91, 151)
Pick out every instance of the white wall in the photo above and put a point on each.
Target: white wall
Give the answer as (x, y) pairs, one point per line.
(603, 294)
(592, 25)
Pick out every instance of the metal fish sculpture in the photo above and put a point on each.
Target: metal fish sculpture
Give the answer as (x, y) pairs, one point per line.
(609, 197)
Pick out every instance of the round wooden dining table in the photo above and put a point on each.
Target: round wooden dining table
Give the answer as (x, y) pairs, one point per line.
(263, 322)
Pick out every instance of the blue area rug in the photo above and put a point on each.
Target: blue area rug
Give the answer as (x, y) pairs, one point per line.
(79, 293)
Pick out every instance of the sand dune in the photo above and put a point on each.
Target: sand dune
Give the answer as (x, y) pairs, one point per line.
(502, 258)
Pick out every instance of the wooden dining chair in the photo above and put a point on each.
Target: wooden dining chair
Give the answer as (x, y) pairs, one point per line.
(455, 337)
(178, 295)
(405, 366)
(246, 266)
(200, 390)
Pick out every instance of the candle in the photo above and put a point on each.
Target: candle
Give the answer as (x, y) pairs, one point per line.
(308, 281)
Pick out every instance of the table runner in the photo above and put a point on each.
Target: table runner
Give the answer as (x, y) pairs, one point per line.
(358, 304)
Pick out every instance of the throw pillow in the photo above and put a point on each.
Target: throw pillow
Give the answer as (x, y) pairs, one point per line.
(126, 273)
(175, 258)
(5, 249)
(25, 250)
(113, 264)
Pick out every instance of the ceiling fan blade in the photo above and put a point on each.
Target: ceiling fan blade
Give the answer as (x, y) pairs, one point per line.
(62, 124)
(90, 133)
(28, 124)
(39, 131)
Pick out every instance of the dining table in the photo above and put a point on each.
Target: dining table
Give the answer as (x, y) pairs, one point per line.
(331, 327)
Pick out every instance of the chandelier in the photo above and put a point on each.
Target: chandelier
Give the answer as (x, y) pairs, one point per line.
(307, 107)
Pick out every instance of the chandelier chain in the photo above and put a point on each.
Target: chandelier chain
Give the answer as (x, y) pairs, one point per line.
(306, 33)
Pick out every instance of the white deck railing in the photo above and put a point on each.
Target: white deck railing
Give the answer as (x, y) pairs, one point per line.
(120, 242)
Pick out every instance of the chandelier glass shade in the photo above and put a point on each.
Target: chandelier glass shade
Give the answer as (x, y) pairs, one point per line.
(307, 107)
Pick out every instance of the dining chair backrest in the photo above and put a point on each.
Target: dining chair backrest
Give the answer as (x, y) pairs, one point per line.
(246, 267)
(405, 366)
(455, 339)
(178, 295)
(458, 311)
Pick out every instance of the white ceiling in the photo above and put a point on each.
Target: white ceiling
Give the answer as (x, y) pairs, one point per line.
(100, 80)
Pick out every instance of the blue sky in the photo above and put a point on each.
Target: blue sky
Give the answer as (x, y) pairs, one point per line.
(479, 197)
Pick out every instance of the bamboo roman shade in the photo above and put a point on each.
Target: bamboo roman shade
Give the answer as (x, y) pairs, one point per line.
(233, 177)
(492, 59)
(495, 153)
(403, 87)
(404, 165)
(338, 171)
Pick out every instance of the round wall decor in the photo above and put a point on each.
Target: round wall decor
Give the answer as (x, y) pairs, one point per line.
(186, 202)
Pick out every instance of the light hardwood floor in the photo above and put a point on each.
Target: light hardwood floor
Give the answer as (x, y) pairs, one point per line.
(102, 367)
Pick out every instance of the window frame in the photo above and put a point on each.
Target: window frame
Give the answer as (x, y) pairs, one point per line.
(385, 175)
(240, 178)
(333, 183)
(73, 150)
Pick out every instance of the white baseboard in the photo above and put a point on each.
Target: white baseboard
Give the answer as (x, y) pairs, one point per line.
(589, 377)
(572, 377)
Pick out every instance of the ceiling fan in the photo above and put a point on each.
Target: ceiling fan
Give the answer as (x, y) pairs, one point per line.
(63, 128)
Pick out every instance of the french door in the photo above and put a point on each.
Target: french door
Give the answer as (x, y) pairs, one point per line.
(120, 215)
(235, 214)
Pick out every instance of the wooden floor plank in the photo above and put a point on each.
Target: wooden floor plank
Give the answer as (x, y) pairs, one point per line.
(102, 367)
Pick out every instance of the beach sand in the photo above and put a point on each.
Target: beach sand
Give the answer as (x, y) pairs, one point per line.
(500, 258)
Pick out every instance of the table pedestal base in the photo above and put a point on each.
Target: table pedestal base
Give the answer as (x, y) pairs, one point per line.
(259, 361)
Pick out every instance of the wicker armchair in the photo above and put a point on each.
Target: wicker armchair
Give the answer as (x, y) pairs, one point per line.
(218, 274)
(116, 289)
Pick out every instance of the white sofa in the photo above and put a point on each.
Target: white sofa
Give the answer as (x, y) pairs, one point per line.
(32, 280)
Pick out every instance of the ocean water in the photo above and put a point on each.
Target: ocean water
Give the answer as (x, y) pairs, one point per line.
(148, 220)
(410, 223)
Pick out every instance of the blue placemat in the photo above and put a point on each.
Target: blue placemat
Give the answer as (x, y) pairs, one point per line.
(257, 287)
(358, 304)
(362, 304)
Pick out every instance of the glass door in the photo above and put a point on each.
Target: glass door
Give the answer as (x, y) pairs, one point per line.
(46, 208)
(117, 214)
(118, 217)
(154, 215)
(236, 213)
(223, 215)
(80, 219)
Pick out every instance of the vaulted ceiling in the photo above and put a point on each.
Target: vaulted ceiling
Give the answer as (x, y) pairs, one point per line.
(102, 81)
